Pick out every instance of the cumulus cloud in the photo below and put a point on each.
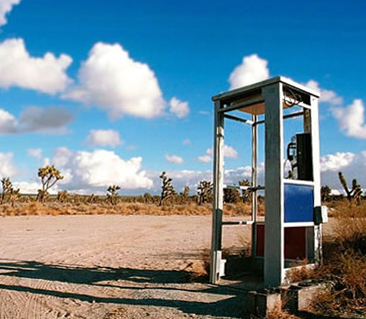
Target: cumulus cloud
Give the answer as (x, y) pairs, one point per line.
(229, 151)
(350, 164)
(252, 69)
(99, 169)
(35, 152)
(7, 168)
(351, 119)
(204, 158)
(178, 108)
(5, 7)
(174, 159)
(104, 138)
(33, 187)
(17, 68)
(114, 82)
(326, 96)
(335, 162)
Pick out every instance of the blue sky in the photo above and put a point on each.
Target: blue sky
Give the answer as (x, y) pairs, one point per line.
(114, 92)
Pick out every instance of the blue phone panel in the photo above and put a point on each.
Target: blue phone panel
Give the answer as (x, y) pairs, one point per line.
(299, 203)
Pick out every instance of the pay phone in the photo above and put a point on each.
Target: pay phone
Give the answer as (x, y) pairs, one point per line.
(299, 154)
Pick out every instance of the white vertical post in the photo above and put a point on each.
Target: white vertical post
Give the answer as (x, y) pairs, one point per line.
(254, 181)
(316, 173)
(218, 184)
(274, 186)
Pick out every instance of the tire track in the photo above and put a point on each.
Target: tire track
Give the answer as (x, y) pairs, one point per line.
(11, 301)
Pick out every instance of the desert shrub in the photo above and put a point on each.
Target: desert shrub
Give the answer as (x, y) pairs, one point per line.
(345, 263)
(231, 196)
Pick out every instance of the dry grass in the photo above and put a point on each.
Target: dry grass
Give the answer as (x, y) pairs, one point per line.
(279, 313)
(55, 208)
(344, 263)
(300, 272)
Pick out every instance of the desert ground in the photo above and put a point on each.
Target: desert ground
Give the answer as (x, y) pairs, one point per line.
(113, 266)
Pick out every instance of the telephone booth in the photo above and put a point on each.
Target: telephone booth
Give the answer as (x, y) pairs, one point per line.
(291, 229)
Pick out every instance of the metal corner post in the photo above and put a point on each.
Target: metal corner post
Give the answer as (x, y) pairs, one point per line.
(254, 182)
(218, 183)
(274, 230)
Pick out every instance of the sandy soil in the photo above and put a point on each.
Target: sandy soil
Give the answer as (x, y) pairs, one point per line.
(108, 266)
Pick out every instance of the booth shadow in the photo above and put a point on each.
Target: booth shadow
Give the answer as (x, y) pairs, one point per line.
(144, 279)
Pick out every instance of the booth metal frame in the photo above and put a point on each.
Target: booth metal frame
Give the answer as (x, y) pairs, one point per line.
(269, 98)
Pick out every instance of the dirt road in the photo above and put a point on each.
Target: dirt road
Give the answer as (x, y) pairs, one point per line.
(110, 266)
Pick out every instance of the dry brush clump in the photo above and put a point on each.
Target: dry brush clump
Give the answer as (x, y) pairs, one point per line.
(343, 264)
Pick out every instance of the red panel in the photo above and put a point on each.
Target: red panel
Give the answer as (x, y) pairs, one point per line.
(259, 248)
(295, 242)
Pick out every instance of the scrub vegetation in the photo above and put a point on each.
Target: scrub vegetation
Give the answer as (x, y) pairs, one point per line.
(344, 263)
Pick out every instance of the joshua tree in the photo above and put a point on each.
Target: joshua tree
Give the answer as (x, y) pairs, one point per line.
(231, 195)
(204, 189)
(325, 193)
(167, 189)
(7, 187)
(245, 193)
(49, 176)
(185, 194)
(91, 199)
(148, 198)
(62, 196)
(355, 192)
(14, 194)
(113, 196)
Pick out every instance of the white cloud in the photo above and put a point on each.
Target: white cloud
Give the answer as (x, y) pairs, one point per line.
(350, 164)
(46, 161)
(104, 138)
(252, 69)
(62, 156)
(8, 123)
(179, 108)
(204, 158)
(33, 187)
(17, 68)
(5, 7)
(351, 119)
(35, 152)
(113, 81)
(335, 162)
(99, 169)
(174, 159)
(229, 152)
(7, 168)
(326, 96)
